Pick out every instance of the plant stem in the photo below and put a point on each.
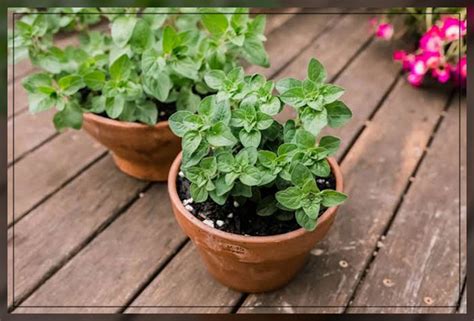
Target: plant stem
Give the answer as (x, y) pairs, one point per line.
(429, 18)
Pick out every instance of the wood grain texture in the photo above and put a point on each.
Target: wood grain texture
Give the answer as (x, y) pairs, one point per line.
(277, 17)
(9, 270)
(17, 100)
(366, 80)
(181, 289)
(376, 171)
(347, 44)
(110, 270)
(421, 253)
(47, 168)
(287, 41)
(463, 305)
(192, 272)
(56, 229)
(30, 131)
(119, 261)
(22, 69)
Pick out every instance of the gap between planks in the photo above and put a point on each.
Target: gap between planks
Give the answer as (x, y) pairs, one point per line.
(234, 307)
(388, 260)
(344, 282)
(400, 202)
(89, 239)
(273, 74)
(77, 251)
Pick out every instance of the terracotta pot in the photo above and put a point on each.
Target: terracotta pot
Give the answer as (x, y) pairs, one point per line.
(139, 150)
(251, 264)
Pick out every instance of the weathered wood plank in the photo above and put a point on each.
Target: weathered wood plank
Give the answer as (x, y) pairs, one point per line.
(56, 229)
(9, 270)
(278, 17)
(179, 289)
(287, 41)
(31, 130)
(373, 67)
(463, 306)
(48, 144)
(29, 156)
(348, 45)
(18, 100)
(419, 263)
(376, 172)
(47, 168)
(332, 54)
(22, 69)
(112, 268)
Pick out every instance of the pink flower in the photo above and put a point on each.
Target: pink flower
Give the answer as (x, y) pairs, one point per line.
(442, 73)
(408, 61)
(399, 55)
(461, 68)
(419, 67)
(431, 59)
(431, 40)
(452, 28)
(415, 79)
(384, 31)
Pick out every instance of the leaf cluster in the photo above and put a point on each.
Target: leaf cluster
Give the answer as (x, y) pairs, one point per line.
(151, 57)
(233, 148)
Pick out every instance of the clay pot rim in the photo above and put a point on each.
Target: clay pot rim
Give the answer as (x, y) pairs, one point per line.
(173, 173)
(120, 123)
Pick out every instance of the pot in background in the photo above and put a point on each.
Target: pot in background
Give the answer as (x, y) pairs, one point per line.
(142, 151)
(251, 264)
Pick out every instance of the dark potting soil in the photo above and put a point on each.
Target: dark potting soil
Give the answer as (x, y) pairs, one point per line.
(165, 110)
(242, 219)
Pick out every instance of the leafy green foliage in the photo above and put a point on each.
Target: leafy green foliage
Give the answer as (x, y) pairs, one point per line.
(316, 102)
(232, 147)
(158, 55)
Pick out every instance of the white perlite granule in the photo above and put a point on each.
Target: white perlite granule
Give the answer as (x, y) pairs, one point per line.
(208, 222)
(188, 201)
(236, 204)
(219, 223)
(181, 174)
(189, 208)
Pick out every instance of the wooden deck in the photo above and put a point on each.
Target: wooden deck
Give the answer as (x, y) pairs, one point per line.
(88, 238)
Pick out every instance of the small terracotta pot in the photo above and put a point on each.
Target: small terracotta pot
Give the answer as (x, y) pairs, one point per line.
(251, 264)
(139, 150)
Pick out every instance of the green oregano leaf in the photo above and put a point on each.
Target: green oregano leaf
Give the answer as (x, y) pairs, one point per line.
(316, 71)
(332, 198)
(122, 29)
(338, 114)
(305, 221)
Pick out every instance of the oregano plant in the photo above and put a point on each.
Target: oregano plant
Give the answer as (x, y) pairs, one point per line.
(233, 149)
(148, 59)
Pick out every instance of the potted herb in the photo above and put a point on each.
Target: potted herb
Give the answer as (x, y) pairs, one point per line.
(121, 87)
(252, 194)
